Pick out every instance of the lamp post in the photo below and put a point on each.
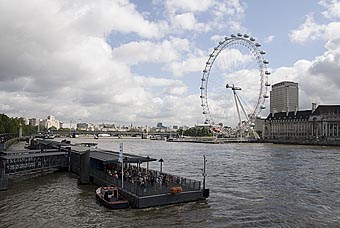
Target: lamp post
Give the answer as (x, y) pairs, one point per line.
(204, 174)
(161, 162)
(147, 163)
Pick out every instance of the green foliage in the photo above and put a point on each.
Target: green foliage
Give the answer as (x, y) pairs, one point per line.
(195, 132)
(8, 125)
(12, 125)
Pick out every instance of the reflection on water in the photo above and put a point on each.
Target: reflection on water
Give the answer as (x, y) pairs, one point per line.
(251, 185)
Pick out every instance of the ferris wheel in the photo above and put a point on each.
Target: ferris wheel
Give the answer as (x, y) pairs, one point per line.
(234, 85)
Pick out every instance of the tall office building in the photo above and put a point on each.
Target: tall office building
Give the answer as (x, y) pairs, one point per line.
(284, 97)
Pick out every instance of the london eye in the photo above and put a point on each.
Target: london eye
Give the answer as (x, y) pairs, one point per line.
(234, 85)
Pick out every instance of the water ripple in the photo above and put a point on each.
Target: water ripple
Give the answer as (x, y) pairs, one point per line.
(251, 185)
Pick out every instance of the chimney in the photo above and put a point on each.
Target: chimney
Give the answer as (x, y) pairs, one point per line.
(313, 107)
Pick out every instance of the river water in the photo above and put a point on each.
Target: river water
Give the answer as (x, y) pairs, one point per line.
(251, 185)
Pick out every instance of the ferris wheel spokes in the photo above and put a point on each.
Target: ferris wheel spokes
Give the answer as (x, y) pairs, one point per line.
(237, 59)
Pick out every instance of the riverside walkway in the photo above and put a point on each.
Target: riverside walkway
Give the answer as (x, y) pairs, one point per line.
(142, 187)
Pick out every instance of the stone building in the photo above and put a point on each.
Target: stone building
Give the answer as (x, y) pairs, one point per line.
(319, 124)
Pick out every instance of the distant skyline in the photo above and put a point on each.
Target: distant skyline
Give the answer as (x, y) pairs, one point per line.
(141, 62)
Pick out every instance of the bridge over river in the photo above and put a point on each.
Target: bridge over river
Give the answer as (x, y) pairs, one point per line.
(142, 187)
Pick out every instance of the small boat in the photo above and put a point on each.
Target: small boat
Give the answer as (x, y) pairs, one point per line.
(110, 197)
(95, 136)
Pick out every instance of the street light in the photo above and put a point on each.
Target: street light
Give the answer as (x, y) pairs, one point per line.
(161, 161)
(147, 163)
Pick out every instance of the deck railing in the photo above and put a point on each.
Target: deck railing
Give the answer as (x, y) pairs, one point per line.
(148, 188)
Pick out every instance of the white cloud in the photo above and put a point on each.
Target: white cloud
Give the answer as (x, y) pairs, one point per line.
(146, 51)
(332, 8)
(332, 34)
(101, 17)
(217, 14)
(188, 5)
(269, 39)
(190, 64)
(55, 60)
(187, 21)
(307, 31)
(318, 79)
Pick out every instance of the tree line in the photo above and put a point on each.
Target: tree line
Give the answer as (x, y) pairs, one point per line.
(195, 132)
(12, 125)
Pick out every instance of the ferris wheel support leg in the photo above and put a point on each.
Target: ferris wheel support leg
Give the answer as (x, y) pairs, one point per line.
(244, 112)
(237, 108)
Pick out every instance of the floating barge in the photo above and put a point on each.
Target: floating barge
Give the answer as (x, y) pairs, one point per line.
(142, 187)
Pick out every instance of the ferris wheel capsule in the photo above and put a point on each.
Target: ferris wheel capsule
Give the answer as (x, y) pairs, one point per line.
(232, 35)
(252, 39)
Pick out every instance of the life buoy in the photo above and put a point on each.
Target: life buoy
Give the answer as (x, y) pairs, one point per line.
(175, 190)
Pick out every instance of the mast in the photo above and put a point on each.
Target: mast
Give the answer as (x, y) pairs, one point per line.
(121, 161)
(204, 174)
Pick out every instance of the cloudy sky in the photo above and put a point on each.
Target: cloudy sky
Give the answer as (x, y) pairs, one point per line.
(141, 62)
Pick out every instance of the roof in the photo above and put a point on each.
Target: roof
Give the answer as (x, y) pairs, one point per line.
(113, 156)
(284, 83)
(46, 142)
(327, 108)
(291, 115)
(103, 155)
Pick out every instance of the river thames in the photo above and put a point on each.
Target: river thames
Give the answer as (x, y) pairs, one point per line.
(251, 185)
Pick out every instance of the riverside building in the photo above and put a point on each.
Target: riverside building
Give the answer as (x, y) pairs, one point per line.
(319, 125)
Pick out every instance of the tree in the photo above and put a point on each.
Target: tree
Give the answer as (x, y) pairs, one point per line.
(12, 125)
(196, 132)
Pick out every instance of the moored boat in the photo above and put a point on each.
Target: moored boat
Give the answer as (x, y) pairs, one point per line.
(109, 196)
